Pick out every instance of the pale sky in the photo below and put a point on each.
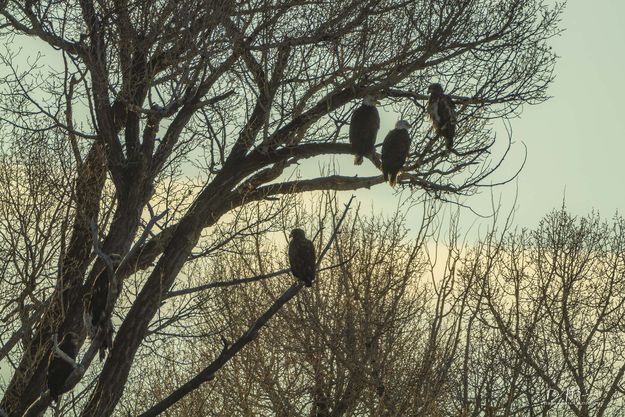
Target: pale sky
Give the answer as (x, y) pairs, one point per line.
(575, 141)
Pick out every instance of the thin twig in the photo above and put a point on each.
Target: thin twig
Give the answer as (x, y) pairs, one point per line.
(144, 235)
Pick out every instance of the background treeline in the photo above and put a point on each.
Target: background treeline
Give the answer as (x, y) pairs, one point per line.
(405, 323)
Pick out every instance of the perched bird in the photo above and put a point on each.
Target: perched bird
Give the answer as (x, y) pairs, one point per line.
(94, 314)
(58, 368)
(119, 111)
(302, 257)
(443, 114)
(363, 129)
(395, 151)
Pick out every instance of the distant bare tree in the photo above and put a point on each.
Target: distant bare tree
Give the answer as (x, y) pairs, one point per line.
(377, 327)
(393, 332)
(136, 91)
(555, 297)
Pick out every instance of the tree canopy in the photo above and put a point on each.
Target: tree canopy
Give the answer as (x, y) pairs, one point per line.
(95, 142)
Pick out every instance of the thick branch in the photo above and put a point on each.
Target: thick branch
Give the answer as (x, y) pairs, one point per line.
(228, 353)
(332, 182)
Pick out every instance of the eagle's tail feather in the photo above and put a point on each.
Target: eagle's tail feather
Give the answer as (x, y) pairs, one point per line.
(393, 180)
(358, 160)
(449, 143)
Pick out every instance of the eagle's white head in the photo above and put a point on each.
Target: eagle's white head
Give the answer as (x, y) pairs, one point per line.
(402, 124)
(370, 101)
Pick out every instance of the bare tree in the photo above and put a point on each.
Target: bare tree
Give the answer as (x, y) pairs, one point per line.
(375, 327)
(485, 334)
(554, 295)
(243, 91)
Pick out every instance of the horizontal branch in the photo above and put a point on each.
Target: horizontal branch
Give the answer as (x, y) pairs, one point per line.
(39, 31)
(237, 281)
(145, 256)
(332, 182)
(221, 284)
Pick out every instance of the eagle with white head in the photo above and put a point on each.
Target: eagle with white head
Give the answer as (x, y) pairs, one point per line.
(443, 114)
(302, 257)
(395, 151)
(363, 129)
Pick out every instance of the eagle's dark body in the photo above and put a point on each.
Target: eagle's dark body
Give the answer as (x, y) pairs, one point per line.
(443, 114)
(97, 303)
(58, 368)
(395, 150)
(302, 257)
(363, 131)
(95, 311)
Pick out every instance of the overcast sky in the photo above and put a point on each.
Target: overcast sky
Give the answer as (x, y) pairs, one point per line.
(575, 141)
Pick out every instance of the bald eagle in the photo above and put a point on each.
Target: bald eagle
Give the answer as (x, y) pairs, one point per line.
(95, 311)
(58, 368)
(443, 114)
(302, 257)
(395, 151)
(363, 129)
